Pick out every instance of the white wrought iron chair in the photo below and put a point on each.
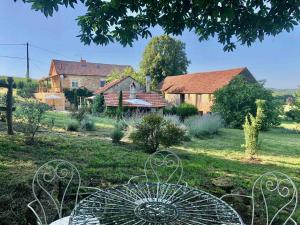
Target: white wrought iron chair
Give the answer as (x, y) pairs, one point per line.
(267, 190)
(55, 183)
(162, 167)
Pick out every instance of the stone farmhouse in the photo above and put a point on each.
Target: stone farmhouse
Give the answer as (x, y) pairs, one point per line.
(70, 74)
(198, 88)
(136, 97)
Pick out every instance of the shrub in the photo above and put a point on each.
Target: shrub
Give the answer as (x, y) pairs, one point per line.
(172, 134)
(206, 125)
(153, 130)
(294, 114)
(98, 104)
(185, 110)
(237, 99)
(170, 111)
(30, 114)
(117, 134)
(72, 125)
(173, 119)
(111, 111)
(88, 124)
(80, 114)
(252, 127)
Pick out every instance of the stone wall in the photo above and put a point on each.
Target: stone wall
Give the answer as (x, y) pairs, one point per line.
(124, 85)
(90, 82)
(203, 102)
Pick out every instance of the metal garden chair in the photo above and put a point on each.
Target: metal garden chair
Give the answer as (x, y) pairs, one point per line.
(55, 184)
(277, 193)
(162, 167)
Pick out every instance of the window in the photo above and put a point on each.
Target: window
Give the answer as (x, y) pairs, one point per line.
(74, 84)
(102, 83)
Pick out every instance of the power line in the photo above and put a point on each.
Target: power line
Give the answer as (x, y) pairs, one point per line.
(49, 51)
(10, 44)
(12, 57)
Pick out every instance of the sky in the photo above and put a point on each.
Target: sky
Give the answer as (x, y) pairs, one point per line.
(276, 59)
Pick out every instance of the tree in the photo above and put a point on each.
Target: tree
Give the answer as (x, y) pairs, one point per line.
(120, 106)
(230, 21)
(252, 127)
(128, 71)
(29, 115)
(163, 56)
(98, 104)
(297, 98)
(237, 99)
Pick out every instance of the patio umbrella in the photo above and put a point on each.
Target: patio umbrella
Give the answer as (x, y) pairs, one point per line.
(53, 98)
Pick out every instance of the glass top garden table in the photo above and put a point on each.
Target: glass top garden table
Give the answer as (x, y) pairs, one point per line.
(153, 203)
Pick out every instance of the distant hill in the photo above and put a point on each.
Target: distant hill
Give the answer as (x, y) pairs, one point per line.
(18, 79)
(283, 92)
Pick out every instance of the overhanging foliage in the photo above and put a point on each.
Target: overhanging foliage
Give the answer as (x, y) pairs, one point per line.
(242, 21)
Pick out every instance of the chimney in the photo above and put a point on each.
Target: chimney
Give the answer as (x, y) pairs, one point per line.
(132, 91)
(148, 83)
(82, 62)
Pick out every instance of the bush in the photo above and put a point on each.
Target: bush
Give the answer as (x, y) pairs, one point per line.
(252, 127)
(236, 100)
(29, 115)
(294, 114)
(170, 111)
(117, 134)
(154, 130)
(185, 110)
(172, 134)
(80, 114)
(111, 111)
(206, 125)
(98, 104)
(72, 125)
(88, 124)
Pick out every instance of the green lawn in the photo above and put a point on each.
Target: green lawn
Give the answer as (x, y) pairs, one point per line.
(104, 164)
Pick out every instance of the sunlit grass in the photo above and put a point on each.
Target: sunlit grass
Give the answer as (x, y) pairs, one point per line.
(103, 164)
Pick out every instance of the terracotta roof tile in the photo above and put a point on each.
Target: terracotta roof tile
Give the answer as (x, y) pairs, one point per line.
(85, 68)
(204, 82)
(155, 99)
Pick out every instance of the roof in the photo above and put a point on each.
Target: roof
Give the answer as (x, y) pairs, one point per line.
(147, 100)
(84, 68)
(109, 85)
(203, 82)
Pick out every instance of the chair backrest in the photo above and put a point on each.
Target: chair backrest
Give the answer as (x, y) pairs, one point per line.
(164, 167)
(274, 195)
(55, 183)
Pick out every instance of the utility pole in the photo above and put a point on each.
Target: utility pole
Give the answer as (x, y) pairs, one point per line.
(27, 72)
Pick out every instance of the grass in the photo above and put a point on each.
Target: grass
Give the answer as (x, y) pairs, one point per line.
(104, 164)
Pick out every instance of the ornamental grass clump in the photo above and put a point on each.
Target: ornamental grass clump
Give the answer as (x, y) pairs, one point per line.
(72, 125)
(204, 126)
(117, 134)
(88, 124)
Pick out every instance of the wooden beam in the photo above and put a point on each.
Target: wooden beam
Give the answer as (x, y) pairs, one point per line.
(9, 105)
